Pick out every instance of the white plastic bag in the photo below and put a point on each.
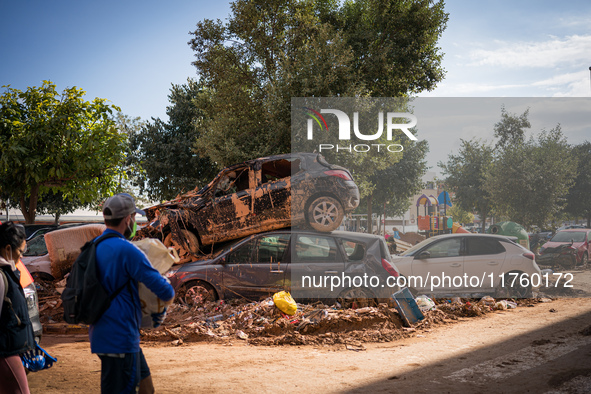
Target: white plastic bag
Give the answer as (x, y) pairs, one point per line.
(161, 258)
(425, 303)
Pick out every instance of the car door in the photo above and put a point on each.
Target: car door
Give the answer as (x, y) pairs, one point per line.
(436, 266)
(232, 203)
(316, 267)
(272, 196)
(483, 261)
(255, 268)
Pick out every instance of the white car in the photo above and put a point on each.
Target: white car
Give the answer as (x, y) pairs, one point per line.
(469, 265)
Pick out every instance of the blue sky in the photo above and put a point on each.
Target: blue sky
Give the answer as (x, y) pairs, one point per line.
(130, 52)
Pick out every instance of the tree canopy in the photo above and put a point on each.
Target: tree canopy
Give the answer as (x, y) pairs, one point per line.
(466, 175)
(270, 51)
(579, 196)
(57, 143)
(522, 180)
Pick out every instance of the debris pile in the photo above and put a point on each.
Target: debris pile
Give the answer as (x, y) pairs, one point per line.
(262, 323)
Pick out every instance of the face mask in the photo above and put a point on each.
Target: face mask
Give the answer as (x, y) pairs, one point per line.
(131, 230)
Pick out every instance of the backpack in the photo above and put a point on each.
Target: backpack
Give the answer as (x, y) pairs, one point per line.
(85, 299)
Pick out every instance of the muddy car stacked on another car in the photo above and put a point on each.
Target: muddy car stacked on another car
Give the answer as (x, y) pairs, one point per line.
(265, 194)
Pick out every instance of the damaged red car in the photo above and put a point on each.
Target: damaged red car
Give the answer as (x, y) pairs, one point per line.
(298, 189)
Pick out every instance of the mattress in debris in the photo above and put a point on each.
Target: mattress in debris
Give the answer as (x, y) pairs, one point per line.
(64, 246)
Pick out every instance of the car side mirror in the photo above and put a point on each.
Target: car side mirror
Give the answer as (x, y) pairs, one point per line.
(424, 255)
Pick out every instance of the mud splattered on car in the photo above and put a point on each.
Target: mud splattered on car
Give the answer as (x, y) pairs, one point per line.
(270, 193)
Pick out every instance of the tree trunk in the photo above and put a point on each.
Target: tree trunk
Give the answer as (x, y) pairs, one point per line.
(369, 215)
(30, 211)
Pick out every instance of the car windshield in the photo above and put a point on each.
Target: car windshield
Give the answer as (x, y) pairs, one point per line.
(568, 236)
(36, 246)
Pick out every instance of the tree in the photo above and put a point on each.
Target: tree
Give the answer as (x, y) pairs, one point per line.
(165, 164)
(57, 143)
(528, 183)
(271, 51)
(579, 196)
(459, 215)
(466, 176)
(510, 130)
(396, 184)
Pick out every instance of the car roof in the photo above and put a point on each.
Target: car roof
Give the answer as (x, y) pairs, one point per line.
(574, 230)
(472, 235)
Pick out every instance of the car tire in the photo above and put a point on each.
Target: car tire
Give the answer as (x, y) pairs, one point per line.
(196, 293)
(516, 291)
(325, 214)
(185, 255)
(356, 298)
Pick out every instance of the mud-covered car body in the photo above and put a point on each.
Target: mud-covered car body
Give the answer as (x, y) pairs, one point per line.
(258, 195)
(568, 248)
(299, 261)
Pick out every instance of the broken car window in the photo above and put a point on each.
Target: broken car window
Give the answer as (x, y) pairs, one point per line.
(278, 169)
(354, 251)
(232, 182)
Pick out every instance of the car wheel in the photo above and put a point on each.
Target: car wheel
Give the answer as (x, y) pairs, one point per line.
(325, 214)
(356, 298)
(197, 293)
(513, 287)
(42, 276)
(185, 255)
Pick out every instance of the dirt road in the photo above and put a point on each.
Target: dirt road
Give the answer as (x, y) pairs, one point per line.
(536, 349)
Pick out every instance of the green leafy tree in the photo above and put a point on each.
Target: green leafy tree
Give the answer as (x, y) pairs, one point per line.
(528, 183)
(57, 143)
(510, 130)
(161, 156)
(579, 196)
(466, 175)
(459, 215)
(397, 183)
(270, 51)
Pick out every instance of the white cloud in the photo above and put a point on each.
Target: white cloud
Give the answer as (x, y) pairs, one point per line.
(555, 52)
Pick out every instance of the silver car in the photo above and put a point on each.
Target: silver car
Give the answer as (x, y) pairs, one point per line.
(469, 265)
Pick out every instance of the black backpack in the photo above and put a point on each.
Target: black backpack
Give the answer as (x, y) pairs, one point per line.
(84, 298)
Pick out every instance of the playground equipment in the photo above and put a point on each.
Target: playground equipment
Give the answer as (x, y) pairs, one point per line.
(432, 222)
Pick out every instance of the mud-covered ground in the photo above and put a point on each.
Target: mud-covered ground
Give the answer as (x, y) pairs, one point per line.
(541, 347)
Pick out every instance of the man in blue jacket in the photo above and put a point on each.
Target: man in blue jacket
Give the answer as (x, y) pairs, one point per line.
(115, 337)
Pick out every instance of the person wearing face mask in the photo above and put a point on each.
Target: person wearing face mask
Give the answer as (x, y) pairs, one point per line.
(16, 330)
(115, 337)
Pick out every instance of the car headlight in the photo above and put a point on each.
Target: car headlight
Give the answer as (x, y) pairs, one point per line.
(32, 302)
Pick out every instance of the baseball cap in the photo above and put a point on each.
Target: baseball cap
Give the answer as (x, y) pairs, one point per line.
(119, 206)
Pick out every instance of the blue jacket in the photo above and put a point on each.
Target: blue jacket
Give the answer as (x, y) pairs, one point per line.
(120, 262)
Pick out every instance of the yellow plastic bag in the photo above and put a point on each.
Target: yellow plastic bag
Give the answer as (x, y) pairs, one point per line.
(286, 304)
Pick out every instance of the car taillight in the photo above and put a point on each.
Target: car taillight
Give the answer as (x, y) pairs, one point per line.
(388, 267)
(340, 173)
(530, 255)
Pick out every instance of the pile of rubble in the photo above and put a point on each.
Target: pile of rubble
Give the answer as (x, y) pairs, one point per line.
(262, 323)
